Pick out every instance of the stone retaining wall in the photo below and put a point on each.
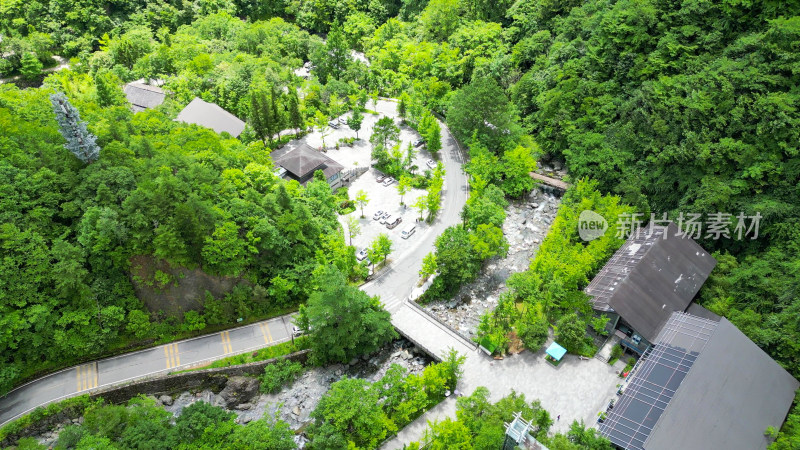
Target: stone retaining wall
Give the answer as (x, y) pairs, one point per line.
(213, 379)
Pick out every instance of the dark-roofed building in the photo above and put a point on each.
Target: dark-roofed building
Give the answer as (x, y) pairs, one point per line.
(655, 273)
(702, 385)
(210, 115)
(301, 161)
(143, 96)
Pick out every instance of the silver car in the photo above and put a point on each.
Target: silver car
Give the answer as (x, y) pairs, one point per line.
(388, 181)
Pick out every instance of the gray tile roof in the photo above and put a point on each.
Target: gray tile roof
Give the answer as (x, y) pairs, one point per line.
(143, 96)
(650, 277)
(301, 161)
(705, 385)
(210, 115)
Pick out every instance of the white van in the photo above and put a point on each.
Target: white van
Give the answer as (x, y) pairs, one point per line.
(408, 231)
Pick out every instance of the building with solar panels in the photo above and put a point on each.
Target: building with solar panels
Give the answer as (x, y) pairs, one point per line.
(702, 385)
(656, 272)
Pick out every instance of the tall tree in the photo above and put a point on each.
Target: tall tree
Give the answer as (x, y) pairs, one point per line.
(108, 91)
(261, 115)
(80, 142)
(321, 123)
(355, 120)
(385, 133)
(353, 228)
(421, 203)
(343, 321)
(403, 187)
(362, 199)
(483, 108)
(381, 247)
(293, 110)
(433, 137)
(30, 67)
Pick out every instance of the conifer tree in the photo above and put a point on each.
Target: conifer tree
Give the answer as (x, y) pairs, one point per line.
(80, 141)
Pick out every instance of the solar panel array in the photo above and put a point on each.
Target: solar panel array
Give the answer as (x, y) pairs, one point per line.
(620, 265)
(655, 380)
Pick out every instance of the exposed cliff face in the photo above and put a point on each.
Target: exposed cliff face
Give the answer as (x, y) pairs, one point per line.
(175, 290)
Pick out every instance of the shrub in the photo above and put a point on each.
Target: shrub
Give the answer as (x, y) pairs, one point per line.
(616, 352)
(280, 374)
(533, 333)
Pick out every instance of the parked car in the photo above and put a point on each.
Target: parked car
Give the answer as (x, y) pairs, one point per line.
(380, 178)
(343, 120)
(361, 255)
(378, 215)
(419, 142)
(388, 181)
(408, 231)
(394, 223)
(334, 124)
(297, 331)
(430, 163)
(386, 219)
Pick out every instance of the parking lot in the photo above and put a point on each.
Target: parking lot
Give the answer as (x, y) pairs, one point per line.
(384, 198)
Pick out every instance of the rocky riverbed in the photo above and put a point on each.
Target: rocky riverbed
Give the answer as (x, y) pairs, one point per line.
(294, 403)
(526, 225)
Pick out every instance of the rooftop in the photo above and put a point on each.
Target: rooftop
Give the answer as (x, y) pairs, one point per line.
(301, 161)
(210, 115)
(143, 96)
(703, 385)
(656, 272)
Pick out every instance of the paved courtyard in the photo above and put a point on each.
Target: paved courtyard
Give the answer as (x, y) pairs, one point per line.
(576, 389)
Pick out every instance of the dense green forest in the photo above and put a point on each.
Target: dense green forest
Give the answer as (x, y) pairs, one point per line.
(667, 107)
(182, 194)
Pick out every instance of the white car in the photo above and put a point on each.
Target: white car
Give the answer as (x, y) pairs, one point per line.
(430, 163)
(388, 181)
(378, 215)
(408, 231)
(361, 255)
(386, 219)
(296, 331)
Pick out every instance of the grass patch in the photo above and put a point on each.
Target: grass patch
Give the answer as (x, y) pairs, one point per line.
(282, 349)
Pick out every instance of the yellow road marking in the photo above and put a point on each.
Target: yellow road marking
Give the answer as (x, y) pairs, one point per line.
(172, 355)
(86, 376)
(265, 331)
(226, 342)
(266, 325)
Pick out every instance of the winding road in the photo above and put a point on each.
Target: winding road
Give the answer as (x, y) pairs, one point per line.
(393, 285)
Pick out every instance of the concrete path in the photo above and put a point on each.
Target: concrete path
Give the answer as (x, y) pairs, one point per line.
(162, 359)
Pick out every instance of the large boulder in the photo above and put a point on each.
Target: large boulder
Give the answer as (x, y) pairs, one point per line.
(239, 390)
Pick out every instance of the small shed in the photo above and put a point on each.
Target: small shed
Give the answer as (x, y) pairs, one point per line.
(556, 351)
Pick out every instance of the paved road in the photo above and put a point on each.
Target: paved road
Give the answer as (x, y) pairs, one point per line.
(162, 359)
(393, 285)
